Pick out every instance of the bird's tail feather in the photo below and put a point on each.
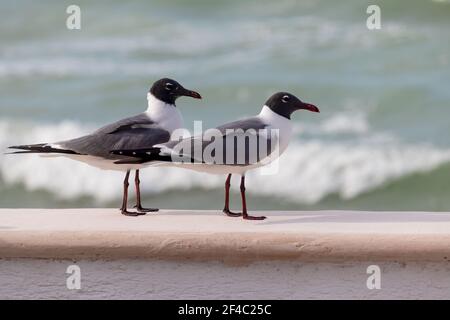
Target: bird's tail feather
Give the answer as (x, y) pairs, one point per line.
(39, 148)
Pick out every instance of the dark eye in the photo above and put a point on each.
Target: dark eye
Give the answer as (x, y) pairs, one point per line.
(169, 86)
(285, 99)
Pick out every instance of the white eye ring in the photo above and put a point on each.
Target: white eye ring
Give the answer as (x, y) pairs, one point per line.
(285, 99)
(169, 86)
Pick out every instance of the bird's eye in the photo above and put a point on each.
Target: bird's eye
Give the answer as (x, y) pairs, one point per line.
(285, 99)
(169, 86)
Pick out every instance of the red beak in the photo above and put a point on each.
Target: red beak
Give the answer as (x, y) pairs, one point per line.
(194, 94)
(310, 107)
(190, 93)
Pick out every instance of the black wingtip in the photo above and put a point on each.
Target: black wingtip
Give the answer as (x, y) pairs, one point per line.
(19, 152)
(29, 147)
(135, 153)
(140, 155)
(137, 161)
(16, 147)
(116, 152)
(25, 148)
(128, 153)
(41, 148)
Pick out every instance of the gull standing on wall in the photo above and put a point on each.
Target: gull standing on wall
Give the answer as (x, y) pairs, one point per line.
(151, 127)
(275, 116)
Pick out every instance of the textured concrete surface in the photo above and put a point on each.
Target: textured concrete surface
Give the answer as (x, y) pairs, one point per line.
(326, 236)
(206, 255)
(137, 279)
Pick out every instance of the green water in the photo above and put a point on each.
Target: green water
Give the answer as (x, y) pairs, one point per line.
(381, 141)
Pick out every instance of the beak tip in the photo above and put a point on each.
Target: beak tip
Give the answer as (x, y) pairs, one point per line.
(195, 95)
(311, 108)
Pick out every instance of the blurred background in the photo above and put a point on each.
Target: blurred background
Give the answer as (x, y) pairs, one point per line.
(382, 141)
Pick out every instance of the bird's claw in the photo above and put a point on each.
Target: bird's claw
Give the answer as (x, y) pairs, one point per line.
(131, 214)
(144, 210)
(247, 217)
(231, 213)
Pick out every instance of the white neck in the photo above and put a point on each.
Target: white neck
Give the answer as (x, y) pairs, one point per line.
(272, 118)
(275, 121)
(165, 115)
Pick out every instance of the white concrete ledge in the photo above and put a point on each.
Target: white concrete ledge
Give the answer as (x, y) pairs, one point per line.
(323, 236)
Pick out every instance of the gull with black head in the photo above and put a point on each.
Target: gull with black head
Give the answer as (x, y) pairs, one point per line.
(154, 126)
(275, 116)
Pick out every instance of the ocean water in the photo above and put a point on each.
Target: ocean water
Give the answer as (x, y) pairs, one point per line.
(381, 141)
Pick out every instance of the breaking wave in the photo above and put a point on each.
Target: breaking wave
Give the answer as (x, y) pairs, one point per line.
(309, 170)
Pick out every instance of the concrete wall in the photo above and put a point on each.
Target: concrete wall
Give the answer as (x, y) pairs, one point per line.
(204, 255)
(134, 279)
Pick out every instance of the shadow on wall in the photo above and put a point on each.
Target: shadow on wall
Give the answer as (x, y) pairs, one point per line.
(361, 217)
(337, 216)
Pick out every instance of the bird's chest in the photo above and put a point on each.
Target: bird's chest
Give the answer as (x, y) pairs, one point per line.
(282, 132)
(172, 122)
(169, 119)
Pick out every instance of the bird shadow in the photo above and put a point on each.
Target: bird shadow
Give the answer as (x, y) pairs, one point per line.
(6, 228)
(359, 217)
(287, 217)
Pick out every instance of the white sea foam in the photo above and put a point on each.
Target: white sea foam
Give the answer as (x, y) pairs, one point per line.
(344, 122)
(309, 170)
(313, 170)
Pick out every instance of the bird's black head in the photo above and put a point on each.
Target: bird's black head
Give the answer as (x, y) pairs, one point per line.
(169, 90)
(285, 104)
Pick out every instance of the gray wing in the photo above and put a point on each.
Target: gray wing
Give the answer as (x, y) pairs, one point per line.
(130, 133)
(140, 120)
(254, 123)
(244, 124)
(242, 142)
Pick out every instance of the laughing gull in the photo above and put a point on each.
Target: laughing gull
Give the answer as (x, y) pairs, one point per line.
(269, 132)
(151, 127)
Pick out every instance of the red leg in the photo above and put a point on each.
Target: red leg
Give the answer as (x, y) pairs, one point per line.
(226, 209)
(123, 210)
(244, 203)
(138, 205)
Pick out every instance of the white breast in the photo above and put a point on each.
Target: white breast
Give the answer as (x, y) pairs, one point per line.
(167, 116)
(275, 121)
